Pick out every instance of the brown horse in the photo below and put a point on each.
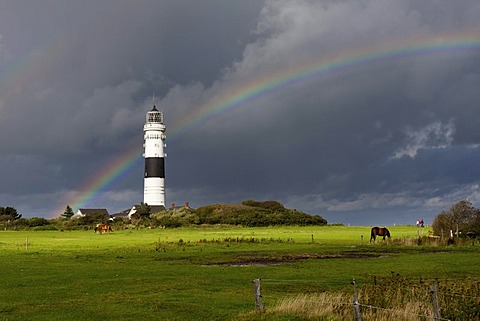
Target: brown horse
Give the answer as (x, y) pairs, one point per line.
(379, 231)
(101, 228)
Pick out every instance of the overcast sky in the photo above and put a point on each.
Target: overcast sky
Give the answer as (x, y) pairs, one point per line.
(382, 140)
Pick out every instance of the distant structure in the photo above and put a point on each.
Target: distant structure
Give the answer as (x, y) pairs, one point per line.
(82, 212)
(154, 144)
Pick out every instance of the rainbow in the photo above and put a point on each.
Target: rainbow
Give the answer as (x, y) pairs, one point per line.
(29, 65)
(275, 81)
(106, 178)
(337, 62)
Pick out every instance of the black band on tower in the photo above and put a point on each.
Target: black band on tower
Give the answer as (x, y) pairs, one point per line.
(155, 167)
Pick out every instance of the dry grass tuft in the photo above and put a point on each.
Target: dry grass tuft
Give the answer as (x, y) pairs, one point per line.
(314, 306)
(339, 306)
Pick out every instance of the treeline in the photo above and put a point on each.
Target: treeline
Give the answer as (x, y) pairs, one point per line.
(42, 224)
(249, 213)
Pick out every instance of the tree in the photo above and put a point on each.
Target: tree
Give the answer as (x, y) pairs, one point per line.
(461, 215)
(10, 211)
(68, 212)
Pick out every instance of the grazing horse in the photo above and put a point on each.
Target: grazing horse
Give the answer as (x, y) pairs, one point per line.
(379, 231)
(102, 228)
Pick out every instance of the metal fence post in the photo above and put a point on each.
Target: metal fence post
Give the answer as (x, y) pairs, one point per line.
(356, 305)
(258, 295)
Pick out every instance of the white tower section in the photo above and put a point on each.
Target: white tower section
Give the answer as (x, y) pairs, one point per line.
(154, 144)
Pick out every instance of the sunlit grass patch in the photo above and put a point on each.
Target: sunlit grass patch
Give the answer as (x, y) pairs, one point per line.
(207, 273)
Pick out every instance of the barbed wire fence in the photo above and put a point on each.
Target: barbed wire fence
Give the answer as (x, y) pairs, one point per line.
(358, 306)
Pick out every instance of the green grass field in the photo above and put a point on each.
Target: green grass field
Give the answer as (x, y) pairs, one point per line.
(201, 274)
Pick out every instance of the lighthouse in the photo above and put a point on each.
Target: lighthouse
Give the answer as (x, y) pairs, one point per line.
(154, 145)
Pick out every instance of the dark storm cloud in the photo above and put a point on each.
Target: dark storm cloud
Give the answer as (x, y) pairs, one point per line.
(77, 79)
(109, 50)
(396, 136)
(378, 137)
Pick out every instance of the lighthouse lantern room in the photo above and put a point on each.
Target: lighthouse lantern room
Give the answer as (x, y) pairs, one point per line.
(154, 144)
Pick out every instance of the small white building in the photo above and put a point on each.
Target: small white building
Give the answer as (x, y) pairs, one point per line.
(153, 209)
(82, 212)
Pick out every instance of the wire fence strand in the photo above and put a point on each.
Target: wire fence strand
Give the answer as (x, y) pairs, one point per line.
(415, 290)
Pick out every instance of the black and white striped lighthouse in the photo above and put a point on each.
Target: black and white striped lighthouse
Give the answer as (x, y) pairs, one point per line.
(154, 144)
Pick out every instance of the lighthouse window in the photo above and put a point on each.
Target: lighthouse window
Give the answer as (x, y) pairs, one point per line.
(154, 117)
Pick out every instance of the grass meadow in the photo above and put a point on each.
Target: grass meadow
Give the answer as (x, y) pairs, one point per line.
(207, 273)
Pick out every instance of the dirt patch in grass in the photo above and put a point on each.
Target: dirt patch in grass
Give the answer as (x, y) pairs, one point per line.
(252, 260)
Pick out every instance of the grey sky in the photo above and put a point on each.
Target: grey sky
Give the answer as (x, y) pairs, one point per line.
(380, 142)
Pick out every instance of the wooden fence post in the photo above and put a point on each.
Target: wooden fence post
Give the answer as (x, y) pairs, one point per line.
(436, 307)
(356, 305)
(258, 295)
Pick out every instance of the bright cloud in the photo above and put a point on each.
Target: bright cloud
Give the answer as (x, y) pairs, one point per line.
(436, 135)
